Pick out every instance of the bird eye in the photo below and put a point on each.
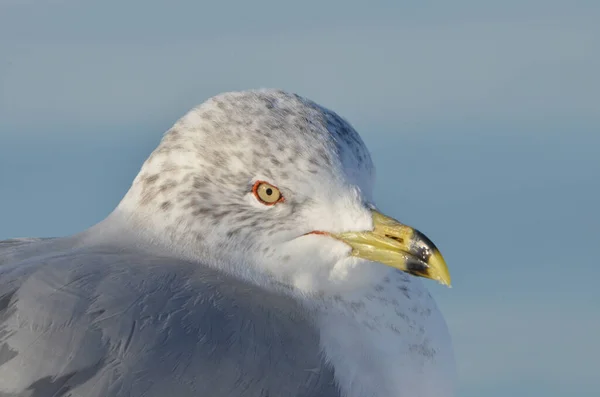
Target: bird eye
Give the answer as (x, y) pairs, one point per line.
(266, 193)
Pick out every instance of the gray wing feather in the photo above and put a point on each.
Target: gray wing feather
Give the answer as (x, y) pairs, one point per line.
(95, 322)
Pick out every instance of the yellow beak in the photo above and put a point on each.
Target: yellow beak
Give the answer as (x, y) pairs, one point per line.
(398, 246)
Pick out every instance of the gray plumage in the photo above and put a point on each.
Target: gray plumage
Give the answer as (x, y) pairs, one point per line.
(132, 323)
(192, 287)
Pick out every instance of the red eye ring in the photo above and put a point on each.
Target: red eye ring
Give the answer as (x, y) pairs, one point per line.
(267, 193)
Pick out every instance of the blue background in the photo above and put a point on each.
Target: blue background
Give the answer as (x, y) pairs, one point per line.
(483, 120)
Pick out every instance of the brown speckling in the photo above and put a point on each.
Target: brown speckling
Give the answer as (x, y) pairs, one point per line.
(205, 195)
(370, 325)
(401, 314)
(405, 291)
(168, 185)
(151, 179)
(200, 211)
(357, 306)
(423, 349)
(232, 233)
(147, 197)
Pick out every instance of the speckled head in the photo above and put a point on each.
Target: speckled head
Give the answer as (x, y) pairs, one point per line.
(195, 192)
(220, 147)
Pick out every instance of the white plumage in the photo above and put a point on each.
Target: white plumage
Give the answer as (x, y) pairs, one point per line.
(193, 287)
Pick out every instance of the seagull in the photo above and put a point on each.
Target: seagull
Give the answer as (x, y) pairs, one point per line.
(247, 258)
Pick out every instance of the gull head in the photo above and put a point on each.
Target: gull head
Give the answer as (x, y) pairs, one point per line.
(275, 188)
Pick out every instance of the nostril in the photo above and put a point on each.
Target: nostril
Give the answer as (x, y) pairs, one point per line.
(398, 239)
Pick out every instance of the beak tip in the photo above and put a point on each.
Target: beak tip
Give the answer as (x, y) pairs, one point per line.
(446, 283)
(437, 265)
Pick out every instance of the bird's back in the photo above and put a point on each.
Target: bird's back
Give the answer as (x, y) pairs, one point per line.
(95, 321)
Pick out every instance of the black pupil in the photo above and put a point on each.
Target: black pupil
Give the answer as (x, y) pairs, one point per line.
(269, 191)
